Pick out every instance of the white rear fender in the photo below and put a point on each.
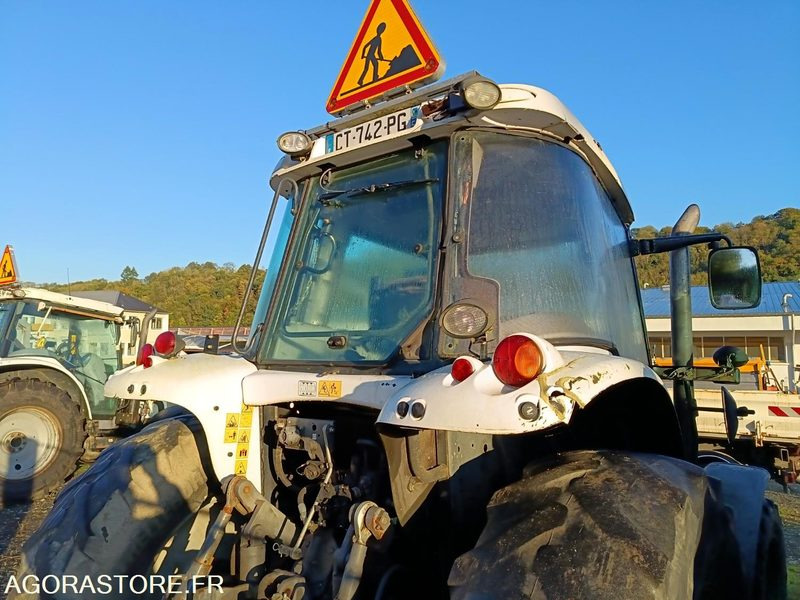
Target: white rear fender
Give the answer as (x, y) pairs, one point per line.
(210, 387)
(280, 387)
(483, 404)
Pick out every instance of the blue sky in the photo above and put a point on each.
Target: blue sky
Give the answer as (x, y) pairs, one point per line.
(143, 132)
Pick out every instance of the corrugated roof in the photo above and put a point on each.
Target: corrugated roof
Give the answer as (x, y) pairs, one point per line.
(656, 301)
(118, 299)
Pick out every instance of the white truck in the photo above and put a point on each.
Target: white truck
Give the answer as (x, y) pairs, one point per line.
(446, 391)
(56, 354)
(768, 433)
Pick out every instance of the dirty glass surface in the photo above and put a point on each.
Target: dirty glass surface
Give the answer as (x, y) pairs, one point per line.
(85, 346)
(361, 275)
(542, 226)
(6, 314)
(274, 266)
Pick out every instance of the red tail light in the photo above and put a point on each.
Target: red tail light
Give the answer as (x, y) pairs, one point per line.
(517, 360)
(145, 356)
(461, 369)
(165, 343)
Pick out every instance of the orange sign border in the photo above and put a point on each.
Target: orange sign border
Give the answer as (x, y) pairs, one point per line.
(431, 61)
(9, 280)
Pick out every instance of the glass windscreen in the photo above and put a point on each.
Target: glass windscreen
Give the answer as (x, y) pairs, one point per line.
(86, 346)
(543, 228)
(360, 276)
(273, 268)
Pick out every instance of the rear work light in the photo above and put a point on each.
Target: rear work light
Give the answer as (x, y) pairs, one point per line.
(517, 360)
(461, 369)
(145, 356)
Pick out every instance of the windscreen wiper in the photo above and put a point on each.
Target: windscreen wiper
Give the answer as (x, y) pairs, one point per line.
(374, 188)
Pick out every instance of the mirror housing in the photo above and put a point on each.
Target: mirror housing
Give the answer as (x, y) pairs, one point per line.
(734, 278)
(732, 356)
(731, 413)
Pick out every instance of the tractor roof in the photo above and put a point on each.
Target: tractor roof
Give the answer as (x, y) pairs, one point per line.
(521, 108)
(102, 309)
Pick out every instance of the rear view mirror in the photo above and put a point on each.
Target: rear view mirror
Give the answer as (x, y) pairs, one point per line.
(734, 278)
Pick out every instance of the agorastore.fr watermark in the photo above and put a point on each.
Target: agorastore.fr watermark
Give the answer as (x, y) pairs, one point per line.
(110, 585)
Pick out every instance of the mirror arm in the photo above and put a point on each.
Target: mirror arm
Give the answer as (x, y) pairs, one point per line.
(714, 374)
(667, 244)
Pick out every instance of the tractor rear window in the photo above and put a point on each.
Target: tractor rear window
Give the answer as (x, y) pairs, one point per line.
(360, 277)
(541, 226)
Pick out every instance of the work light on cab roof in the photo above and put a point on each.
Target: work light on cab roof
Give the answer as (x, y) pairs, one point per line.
(294, 143)
(480, 93)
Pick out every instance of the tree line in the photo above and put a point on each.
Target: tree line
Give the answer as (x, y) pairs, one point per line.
(210, 295)
(197, 295)
(776, 237)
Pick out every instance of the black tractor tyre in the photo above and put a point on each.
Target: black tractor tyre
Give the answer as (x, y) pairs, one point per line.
(61, 428)
(607, 526)
(115, 517)
(770, 567)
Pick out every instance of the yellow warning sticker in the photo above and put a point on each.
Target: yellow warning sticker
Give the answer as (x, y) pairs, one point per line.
(330, 389)
(237, 430)
(242, 450)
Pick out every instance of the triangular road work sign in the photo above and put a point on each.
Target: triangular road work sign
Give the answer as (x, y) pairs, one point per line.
(8, 267)
(391, 50)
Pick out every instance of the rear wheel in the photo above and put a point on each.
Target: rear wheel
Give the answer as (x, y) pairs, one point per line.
(116, 517)
(603, 525)
(770, 567)
(42, 432)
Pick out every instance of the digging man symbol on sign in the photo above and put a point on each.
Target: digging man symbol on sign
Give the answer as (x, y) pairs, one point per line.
(390, 54)
(372, 53)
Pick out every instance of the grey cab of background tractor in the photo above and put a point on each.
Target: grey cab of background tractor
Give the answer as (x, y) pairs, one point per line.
(446, 391)
(56, 353)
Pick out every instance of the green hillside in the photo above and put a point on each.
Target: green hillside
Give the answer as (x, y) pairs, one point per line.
(195, 295)
(776, 237)
(208, 294)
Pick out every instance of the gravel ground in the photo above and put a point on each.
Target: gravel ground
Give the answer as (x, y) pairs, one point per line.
(17, 523)
(20, 521)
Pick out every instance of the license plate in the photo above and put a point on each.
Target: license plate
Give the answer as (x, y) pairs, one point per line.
(384, 127)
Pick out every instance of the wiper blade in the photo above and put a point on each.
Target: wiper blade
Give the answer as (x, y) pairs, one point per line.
(374, 188)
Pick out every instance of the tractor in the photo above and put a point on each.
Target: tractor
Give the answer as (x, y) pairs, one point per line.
(56, 353)
(446, 390)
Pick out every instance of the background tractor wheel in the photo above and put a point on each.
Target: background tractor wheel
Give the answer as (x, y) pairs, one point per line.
(603, 525)
(116, 517)
(42, 431)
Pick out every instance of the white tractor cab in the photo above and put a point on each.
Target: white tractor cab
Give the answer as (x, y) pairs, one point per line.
(446, 391)
(56, 354)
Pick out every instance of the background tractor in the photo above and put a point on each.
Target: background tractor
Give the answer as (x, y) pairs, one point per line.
(56, 353)
(446, 390)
